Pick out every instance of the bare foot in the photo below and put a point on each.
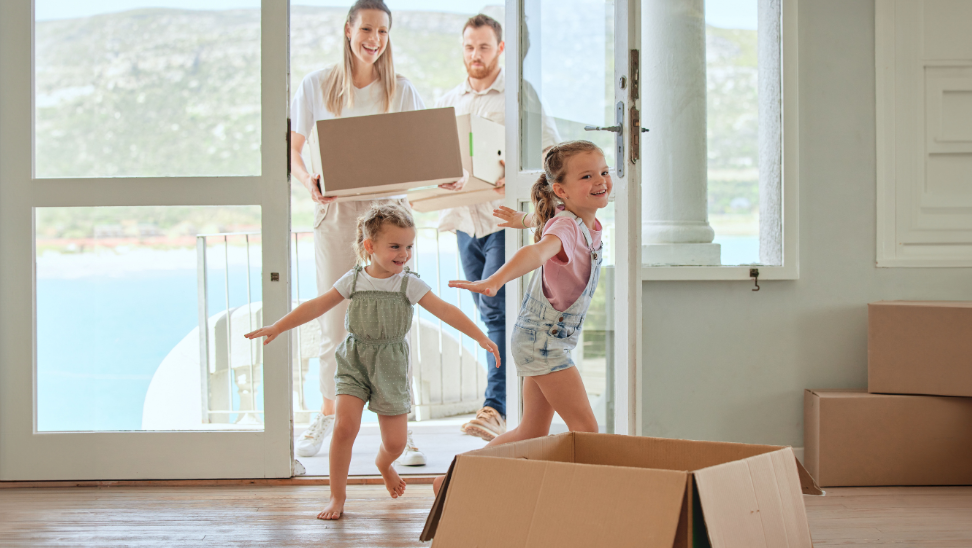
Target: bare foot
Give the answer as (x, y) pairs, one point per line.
(333, 510)
(393, 482)
(437, 484)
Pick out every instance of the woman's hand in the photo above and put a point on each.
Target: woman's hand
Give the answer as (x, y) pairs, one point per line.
(485, 287)
(314, 186)
(270, 333)
(512, 218)
(457, 185)
(490, 347)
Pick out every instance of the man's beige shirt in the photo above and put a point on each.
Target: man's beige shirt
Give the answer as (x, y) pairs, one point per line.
(477, 220)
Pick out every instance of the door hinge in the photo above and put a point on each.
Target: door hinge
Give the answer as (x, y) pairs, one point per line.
(288, 150)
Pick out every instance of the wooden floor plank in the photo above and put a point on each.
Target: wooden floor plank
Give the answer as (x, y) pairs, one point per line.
(284, 515)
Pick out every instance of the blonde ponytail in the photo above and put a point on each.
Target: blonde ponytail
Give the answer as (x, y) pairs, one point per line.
(545, 204)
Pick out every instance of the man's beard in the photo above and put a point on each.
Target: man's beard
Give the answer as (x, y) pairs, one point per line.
(482, 72)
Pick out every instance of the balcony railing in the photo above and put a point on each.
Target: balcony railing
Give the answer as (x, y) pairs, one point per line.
(447, 372)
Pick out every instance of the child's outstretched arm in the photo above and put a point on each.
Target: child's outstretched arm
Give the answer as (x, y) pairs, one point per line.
(304, 313)
(526, 259)
(454, 317)
(514, 219)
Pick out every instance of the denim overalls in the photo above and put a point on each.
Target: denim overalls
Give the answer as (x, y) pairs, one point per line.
(543, 337)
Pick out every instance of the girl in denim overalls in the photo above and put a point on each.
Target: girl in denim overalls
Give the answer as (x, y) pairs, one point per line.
(372, 362)
(574, 185)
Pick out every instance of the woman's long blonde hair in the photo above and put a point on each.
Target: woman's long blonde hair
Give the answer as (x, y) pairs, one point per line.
(371, 223)
(337, 85)
(545, 202)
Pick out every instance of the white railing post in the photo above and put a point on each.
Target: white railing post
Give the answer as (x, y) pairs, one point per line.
(203, 315)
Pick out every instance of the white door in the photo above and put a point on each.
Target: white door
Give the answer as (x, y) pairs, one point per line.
(144, 223)
(576, 63)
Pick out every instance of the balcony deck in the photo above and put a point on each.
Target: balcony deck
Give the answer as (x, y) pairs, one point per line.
(439, 439)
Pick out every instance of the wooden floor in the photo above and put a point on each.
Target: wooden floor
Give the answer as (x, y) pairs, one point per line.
(284, 516)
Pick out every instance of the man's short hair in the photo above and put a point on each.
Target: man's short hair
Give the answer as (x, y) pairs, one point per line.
(481, 20)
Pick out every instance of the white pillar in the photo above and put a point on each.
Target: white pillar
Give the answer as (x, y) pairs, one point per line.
(675, 222)
(770, 135)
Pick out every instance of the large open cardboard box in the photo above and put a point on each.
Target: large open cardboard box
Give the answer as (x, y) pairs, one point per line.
(852, 438)
(482, 144)
(386, 154)
(919, 347)
(582, 490)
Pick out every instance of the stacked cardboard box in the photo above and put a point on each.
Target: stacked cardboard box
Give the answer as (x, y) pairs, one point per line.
(913, 425)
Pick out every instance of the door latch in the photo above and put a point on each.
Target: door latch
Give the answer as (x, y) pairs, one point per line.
(618, 128)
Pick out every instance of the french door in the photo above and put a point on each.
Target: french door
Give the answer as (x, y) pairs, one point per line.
(576, 68)
(144, 227)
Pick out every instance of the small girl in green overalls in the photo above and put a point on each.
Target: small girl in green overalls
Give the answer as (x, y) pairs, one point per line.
(372, 362)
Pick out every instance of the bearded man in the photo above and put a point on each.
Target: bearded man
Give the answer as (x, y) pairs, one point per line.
(482, 245)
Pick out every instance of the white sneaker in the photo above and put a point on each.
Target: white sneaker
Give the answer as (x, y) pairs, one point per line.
(312, 439)
(412, 456)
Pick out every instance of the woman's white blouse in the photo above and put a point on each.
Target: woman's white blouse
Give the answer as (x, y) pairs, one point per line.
(308, 106)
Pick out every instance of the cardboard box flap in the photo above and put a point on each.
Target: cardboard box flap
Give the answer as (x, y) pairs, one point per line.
(558, 448)
(435, 513)
(548, 448)
(660, 453)
(545, 503)
(754, 503)
(943, 304)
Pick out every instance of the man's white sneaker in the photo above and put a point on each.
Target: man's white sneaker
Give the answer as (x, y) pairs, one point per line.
(312, 439)
(412, 456)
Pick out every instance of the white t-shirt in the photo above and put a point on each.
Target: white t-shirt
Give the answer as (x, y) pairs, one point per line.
(393, 284)
(307, 106)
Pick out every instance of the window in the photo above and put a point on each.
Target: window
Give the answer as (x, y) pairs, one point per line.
(138, 91)
(712, 164)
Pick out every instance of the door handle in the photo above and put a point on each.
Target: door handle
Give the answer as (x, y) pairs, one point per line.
(615, 129)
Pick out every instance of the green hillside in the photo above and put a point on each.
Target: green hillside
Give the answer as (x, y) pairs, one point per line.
(161, 92)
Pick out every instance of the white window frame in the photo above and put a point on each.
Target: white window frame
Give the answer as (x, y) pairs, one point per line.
(790, 186)
(27, 454)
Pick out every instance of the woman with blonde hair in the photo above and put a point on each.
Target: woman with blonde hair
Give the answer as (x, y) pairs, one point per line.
(364, 83)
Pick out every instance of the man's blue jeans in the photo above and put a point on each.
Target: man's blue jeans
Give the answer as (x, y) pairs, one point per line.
(481, 257)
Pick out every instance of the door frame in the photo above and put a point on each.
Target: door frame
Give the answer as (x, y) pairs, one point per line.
(627, 198)
(25, 453)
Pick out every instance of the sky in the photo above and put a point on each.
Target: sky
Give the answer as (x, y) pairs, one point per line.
(739, 14)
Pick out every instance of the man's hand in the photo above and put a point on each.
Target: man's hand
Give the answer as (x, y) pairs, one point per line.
(501, 182)
(314, 186)
(456, 185)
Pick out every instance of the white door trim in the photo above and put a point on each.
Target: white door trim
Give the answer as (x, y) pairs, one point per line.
(628, 275)
(26, 454)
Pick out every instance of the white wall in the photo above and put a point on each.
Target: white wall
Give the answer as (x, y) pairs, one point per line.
(724, 363)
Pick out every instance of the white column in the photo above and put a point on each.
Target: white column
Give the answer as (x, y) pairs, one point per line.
(770, 135)
(675, 221)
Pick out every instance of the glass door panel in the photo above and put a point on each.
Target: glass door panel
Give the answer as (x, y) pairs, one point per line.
(145, 223)
(568, 79)
(147, 92)
(127, 339)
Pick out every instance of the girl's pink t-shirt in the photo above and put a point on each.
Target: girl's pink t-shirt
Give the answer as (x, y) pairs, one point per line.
(564, 281)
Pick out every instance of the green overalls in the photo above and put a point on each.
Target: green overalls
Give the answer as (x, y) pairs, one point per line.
(372, 362)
